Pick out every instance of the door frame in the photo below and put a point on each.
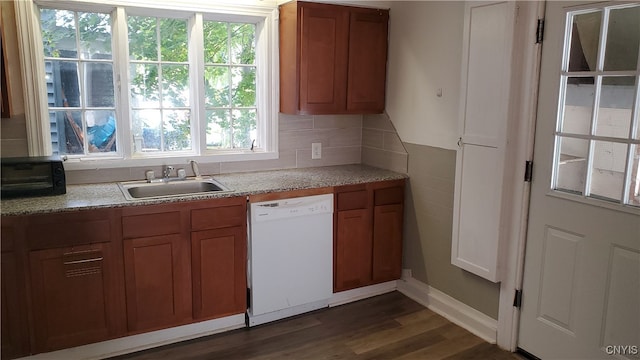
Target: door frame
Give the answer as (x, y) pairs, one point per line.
(526, 58)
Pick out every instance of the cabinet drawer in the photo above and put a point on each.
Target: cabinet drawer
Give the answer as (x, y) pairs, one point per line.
(69, 229)
(352, 200)
(394, 195)
(218, 217)
(144, 225)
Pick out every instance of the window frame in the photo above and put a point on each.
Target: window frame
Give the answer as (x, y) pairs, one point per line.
(598, 74)
(262, 13)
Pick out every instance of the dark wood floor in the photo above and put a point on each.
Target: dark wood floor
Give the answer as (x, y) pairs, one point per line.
(389, 326)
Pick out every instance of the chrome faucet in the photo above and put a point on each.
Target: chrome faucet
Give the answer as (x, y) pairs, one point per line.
(196, 170)
(166, 173)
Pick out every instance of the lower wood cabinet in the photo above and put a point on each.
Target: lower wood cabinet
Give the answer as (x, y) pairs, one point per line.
(75, 296)
(75, 267)
(368, 234)
(353, 248)
(219, 258)
(184, 262)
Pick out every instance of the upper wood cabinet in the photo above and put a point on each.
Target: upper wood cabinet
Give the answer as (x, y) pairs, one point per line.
(332, 59)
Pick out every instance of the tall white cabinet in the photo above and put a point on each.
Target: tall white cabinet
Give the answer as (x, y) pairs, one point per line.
(479, 208)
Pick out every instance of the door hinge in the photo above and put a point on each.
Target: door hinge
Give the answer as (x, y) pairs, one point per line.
(528, 170)
(517, 299)
(248, 298)
(540, 31)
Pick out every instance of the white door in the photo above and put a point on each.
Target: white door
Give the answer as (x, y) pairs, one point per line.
(581, 289)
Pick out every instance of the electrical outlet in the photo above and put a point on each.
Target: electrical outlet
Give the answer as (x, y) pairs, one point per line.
(316, 150)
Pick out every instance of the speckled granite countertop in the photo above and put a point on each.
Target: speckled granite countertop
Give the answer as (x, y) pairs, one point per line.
(92, 196)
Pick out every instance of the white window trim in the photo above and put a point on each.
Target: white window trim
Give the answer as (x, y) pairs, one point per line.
(39, 138)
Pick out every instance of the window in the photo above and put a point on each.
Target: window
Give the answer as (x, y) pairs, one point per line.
(598, 135)
(159, 83)
(177, 83)
(79, 77)
(230, 74)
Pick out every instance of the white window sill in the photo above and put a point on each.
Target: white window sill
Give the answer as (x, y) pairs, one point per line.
(118, 162)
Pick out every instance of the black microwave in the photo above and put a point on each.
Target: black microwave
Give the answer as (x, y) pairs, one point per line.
(32, 176)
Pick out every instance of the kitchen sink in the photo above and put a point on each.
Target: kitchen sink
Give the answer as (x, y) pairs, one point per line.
(140, 190)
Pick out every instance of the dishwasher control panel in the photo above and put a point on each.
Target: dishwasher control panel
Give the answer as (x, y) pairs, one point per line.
(286, 208)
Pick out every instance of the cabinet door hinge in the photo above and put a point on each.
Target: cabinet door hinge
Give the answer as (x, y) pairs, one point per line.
(517, 299)
(528, 170)
(540, 31)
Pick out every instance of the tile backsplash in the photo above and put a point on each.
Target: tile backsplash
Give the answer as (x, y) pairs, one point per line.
(381, 145)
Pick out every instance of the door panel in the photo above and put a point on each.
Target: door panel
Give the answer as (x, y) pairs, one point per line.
(157, 282)
(387, 242)
(323, 58)
(353, 249)
(581, 286)
(218, 260)
(367, 60)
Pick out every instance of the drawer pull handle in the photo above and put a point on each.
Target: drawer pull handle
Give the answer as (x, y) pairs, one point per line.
(82, 261)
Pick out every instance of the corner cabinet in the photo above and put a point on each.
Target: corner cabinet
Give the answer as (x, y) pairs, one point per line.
(332, 59)
(368, 234)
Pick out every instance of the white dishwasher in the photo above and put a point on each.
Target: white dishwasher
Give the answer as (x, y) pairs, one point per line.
(290, 267)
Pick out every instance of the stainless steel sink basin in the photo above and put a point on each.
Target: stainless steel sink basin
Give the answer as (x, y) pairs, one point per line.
(139, 190)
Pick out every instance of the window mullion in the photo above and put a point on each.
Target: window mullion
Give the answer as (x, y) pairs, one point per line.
(120, 46)
(160, 87)
(230, 82)
(596, 101)
(197, 71)
(81, 88)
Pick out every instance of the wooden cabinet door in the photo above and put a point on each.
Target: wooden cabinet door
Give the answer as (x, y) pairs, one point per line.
(15, 332)
(157, 282)
(387, 242)
(323, 58)
(74, 295)
(367, 60)
(353, 249)
(218, 267)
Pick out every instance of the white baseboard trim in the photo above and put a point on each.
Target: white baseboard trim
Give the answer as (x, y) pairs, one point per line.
(453, 310)
(145, 341)
(348, 296)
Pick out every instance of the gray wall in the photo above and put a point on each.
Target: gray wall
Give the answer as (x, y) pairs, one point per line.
(427, 230)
